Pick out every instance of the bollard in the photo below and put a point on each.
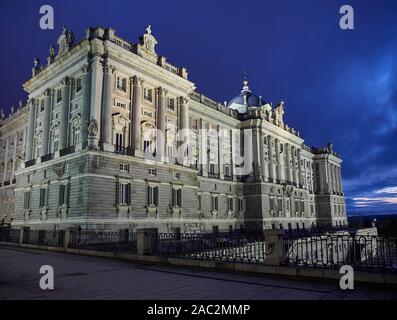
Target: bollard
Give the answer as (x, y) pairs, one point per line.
(66, 238)
(21, 236)
(274, 243)
(146, 241)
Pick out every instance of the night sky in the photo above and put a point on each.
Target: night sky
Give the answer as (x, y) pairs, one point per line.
(337, 84)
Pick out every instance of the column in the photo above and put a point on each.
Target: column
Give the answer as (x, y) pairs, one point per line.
(299, 171)
(96, 92)
(184, 128)
(277, 151)
(272, 173)
(106, 117)
(64, 116)
(338, 179)
(288, 162)
(264, 167)
(14, 156)
(220, 152)
(293, 158)
(256, 153)
(85, 118)
(31, 129)
(282, 163)
(6, 159)
(162, 93)
(46, 122)
(203, 148)
(135, 124)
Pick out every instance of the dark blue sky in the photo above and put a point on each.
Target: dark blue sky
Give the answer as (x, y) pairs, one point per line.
(339, 85)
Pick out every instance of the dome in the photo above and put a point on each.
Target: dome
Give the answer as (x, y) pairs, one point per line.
(245, 99)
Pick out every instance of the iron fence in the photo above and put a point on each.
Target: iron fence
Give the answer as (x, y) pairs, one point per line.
(50, 238)
(9, 235)
(121, 241)
(332, 251)
(217, 247)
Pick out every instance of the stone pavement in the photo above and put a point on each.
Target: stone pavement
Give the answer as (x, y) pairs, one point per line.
(81, 277)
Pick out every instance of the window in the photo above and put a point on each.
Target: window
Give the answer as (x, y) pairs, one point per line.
(199, 202)
(170, 152)
(280, 204)
(121, 105)
(76, 135)
(229, 204)
(63, 197)
(215, 230)
(26, 200)
(59, 95)
(43, 197)
(296, 205)
(226, 170)
(123, 193)
(171, 103)
(271, 204)
(122, 84)
(119, 141)
(152, 172)
(148, 94)
(124, 167)
(147, 146)
(214, 203)
(176, 198)
(240, 204)
(153, 195)
(79, 85)
(212, 168)
(176, 175)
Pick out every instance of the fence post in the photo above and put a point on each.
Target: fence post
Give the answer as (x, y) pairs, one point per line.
(21, 235)
(66, 239)
(274, 243)
(146, 240)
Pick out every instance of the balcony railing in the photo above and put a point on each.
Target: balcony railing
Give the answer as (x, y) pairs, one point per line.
(67, 151)
(47, 157)
(213, 175)
(128, 151)
(228, 178)
(6, 183)
(30, 163)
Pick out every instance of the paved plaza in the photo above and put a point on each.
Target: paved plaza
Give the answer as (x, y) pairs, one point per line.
(81, 277)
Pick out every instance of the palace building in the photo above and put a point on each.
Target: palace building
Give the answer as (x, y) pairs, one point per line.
(115, 137)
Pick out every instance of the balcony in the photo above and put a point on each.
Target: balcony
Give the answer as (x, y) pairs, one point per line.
(228, 178)
(6, 183)
(47, 157)
(30, 163)
(128, 151)
(67, 151)
(213, 175)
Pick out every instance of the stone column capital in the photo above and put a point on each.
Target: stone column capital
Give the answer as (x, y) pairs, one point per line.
(47, 92)
(162, 91)
(86, 68)
(109, 69)
(137, 81)
(184, 100)
(65, 81)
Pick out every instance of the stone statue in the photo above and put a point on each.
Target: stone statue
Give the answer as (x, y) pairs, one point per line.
(92, 128)
(149, 42)
(65, 41)
(279, 114)
(2, 114)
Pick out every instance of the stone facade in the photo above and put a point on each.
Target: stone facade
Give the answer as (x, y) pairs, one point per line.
(91, 160)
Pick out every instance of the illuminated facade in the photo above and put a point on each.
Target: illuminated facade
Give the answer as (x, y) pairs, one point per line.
(115, 137)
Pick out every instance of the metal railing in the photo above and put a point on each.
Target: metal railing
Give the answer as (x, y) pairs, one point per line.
(9, 235)
(332, 251)
(67, 151)
(49, 238)
(122, 241)
(217, 247)
(128, 151)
